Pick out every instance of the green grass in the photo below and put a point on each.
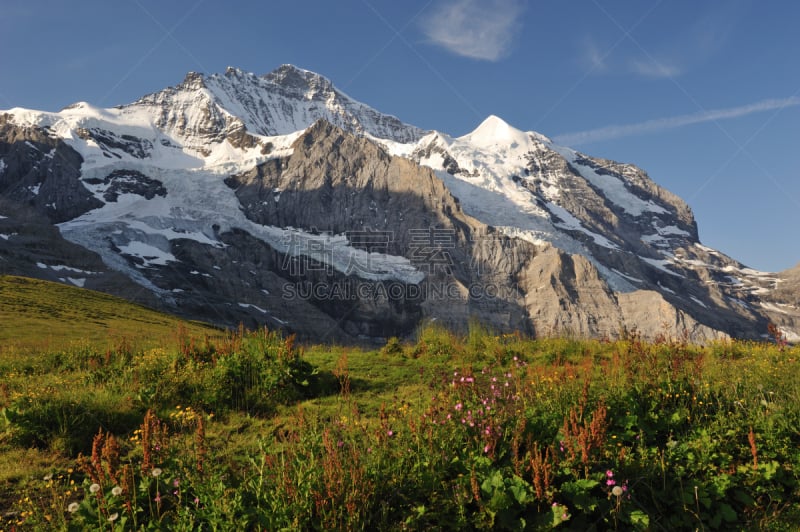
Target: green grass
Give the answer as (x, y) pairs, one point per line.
(249, 431)
(39, 315)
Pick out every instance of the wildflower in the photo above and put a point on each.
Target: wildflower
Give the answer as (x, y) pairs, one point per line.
(610, 482)
(116, 491)
(73, 507)
(157, 498)
(609, 473)
(390, 433)
(94, 488)
(156, 471)
(459, 406)
(113, 517)
(617, 491)
(48, 476)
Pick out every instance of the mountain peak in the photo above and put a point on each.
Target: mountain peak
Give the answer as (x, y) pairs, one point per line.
(232, 71)
(288, 68)
(494, 121)
(494, 130)
(300, 82)
(194, 80)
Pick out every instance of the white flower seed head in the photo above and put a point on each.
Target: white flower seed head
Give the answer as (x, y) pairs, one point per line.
(617, 491)
(113, 517)
(156, 471)
(116, 491)
(94, 488)
(73, 507)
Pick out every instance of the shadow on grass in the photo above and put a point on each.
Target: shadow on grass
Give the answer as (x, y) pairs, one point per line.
(326, 384)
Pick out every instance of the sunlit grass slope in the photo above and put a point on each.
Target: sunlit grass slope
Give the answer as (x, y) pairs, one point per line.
(37, 314)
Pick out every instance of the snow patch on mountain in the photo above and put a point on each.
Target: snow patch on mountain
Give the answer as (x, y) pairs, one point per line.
(151, 255)
(254, 307)
(661, 264)
(63, 268)
(569, 222)
(612, 187)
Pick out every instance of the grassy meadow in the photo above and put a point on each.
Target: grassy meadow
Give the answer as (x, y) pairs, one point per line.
(39, 316)
(191, 430)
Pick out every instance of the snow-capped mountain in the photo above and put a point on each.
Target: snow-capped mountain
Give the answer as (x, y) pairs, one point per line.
(280, 200)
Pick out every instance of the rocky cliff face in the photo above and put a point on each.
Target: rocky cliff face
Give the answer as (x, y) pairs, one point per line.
(41, 171)
(337, 183)
(279, 200)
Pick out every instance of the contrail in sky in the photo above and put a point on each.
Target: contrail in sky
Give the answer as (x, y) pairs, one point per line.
(658, 124)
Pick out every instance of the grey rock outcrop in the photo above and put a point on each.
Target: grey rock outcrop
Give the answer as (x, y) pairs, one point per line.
(42, 171)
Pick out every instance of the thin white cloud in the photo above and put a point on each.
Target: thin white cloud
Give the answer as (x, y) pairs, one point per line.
(478, 29)
(594, 58)
(655, 69)
(659, 124)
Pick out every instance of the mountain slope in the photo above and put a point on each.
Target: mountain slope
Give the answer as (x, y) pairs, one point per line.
(278, 199)
(35, 312)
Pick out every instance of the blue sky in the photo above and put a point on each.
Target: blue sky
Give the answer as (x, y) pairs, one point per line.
(705, 96)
